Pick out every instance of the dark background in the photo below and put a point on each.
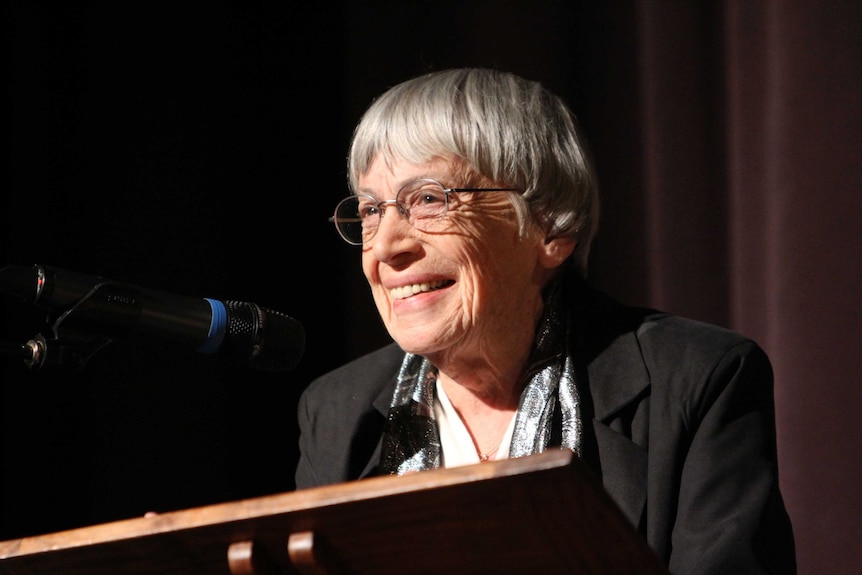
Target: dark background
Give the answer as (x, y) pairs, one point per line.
(199, 148)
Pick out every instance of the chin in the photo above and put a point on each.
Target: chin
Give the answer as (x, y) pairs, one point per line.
(418, 345)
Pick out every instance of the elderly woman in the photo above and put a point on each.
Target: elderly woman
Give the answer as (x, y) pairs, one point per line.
(474, 204)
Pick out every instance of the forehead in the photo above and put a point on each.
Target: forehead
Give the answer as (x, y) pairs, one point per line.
(387, 177)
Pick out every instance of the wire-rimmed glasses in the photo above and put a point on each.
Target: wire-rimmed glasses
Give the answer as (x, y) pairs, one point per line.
(421, 202)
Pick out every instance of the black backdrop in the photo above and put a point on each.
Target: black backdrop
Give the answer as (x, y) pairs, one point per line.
(192, 150)
(199, 151)
(198, 148)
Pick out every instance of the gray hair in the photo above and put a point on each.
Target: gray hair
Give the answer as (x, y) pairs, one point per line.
(510, 130)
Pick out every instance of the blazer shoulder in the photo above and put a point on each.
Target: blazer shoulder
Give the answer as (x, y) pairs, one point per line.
(663, 334)
(366, 375)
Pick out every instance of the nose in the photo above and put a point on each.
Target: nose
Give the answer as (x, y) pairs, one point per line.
(394, 234)
(382, 204)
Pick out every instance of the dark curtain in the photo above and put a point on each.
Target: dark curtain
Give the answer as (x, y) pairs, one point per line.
(746, 210)
(199, 150)
(795, 125)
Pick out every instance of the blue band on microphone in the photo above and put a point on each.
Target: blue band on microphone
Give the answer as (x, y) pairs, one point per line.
(218, 328)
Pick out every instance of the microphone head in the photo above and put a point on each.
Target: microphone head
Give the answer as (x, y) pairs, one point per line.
(261, 338)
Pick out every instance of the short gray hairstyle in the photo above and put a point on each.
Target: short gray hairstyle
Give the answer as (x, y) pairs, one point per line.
(510, 130)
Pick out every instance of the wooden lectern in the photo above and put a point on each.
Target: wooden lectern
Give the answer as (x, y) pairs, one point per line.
(545, 513)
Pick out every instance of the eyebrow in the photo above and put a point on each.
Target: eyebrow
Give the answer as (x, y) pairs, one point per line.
(402, 183)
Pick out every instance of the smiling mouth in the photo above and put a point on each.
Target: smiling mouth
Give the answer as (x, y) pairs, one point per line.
(413, 289)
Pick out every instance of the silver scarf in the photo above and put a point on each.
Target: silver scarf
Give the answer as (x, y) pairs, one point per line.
(411, 440)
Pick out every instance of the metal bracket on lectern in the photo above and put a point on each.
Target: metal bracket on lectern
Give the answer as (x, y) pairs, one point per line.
(308, 554)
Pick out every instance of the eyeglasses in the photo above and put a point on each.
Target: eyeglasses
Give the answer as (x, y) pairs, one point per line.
(421, 202)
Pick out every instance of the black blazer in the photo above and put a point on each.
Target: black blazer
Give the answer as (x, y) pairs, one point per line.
(682, 434)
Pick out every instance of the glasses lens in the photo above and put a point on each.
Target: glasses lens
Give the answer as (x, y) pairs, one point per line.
(356, 218)
(424, 202)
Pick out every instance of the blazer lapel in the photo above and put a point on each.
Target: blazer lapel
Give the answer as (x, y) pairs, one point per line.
(614, 381)
(381, 404)
(617, 380)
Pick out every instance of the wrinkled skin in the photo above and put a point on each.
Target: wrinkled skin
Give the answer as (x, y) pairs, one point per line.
(477, 323)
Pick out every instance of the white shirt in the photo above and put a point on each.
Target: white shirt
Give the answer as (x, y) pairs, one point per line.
(456, 444)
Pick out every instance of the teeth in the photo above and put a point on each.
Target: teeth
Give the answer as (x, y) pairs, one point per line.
(409, 290)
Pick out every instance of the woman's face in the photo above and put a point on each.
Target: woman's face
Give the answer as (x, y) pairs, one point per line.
(471, 286)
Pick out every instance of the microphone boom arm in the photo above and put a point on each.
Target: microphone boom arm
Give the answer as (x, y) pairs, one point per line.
(90, 312)
(78, 333)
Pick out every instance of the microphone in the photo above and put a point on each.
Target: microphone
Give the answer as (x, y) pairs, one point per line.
(240, 332)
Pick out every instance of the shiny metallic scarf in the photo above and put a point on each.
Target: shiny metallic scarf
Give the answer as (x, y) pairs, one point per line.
(549, 412)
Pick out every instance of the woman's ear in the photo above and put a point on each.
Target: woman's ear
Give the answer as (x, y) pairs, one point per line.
(554, 251)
